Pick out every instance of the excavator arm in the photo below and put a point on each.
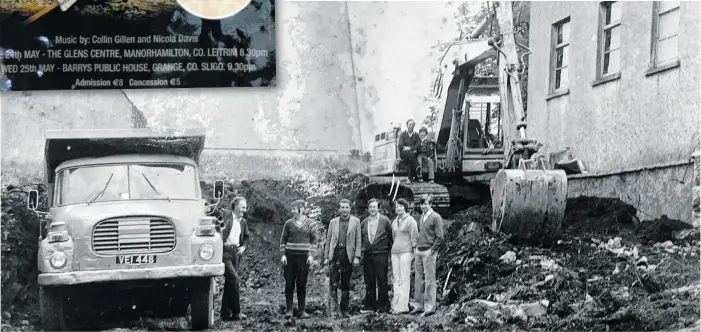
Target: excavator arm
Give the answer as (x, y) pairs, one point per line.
(522, 148)
(528, 200)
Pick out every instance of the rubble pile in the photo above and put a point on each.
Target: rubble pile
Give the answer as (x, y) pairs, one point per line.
(603, 274)
(606, 272)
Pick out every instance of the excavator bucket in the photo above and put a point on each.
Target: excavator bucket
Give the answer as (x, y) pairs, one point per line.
(529, 203)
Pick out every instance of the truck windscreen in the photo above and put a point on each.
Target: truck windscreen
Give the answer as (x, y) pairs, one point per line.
(147, 181)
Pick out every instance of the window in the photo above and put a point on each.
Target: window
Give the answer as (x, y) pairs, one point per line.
(120, 182)
(559, 75)
(665, 33)
(609, 38)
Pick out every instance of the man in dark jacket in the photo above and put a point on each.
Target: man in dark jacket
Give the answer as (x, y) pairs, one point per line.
(376, 235)
(409, 143)
(235, 235)
(344, 245)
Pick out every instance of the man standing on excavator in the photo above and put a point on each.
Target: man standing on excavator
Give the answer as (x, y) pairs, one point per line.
(409, 142)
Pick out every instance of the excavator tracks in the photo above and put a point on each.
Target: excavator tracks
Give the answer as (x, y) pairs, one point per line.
(387, 189)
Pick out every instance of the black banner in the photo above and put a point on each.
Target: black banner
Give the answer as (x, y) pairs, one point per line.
(136, 44)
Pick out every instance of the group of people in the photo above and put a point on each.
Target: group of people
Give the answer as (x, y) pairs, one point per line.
(417, 151)
(375, 243)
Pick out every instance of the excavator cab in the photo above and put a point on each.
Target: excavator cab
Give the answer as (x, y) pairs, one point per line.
(483, 150)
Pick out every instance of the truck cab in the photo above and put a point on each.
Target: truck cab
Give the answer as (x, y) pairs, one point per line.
(126, 212)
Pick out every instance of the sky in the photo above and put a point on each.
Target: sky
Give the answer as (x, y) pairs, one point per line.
(400, 54)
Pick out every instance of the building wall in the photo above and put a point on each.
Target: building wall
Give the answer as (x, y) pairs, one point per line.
(624, 129)
(631, 122)
(332, 86)
(313, 107)
(653, 192)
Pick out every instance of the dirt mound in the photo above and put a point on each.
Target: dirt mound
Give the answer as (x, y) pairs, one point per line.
(599, 276)
(601, 215)
(663, 229)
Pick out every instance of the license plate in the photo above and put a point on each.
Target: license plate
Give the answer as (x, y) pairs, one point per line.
(493, 165)
(136, 259)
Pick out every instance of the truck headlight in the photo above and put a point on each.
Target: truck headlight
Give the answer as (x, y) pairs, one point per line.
(58, 260)
(206, 251)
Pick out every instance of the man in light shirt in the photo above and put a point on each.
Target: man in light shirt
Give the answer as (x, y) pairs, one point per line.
(235, 236)
(376, 236)
(431, 235)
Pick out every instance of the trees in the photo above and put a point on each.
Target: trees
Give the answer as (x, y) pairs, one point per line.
(468, 16)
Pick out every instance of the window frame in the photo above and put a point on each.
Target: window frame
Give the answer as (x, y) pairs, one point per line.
(554, 46)
(601, 45)
(655, 66)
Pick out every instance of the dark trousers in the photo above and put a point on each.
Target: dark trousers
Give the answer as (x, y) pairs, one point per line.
(375, 268)
(296, 272)
(341, 272)
(232, 291)
(412, 162)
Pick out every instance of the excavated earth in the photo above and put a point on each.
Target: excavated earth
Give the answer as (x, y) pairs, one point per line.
(609, 271)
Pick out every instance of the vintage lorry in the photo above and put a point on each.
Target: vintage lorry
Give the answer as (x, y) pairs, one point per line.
(126, 224)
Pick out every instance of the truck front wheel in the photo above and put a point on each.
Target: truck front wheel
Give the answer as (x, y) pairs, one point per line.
(51, 308)
(202, 303)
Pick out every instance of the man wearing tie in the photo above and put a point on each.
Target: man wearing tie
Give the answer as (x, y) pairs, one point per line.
(376, 235)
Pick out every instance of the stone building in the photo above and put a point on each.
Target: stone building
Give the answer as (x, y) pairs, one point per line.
(618, 83)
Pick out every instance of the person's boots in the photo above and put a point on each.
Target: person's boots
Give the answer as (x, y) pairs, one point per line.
(290, 310)
(302, 313)
(333, 303)
(345, 301)
(300, 308)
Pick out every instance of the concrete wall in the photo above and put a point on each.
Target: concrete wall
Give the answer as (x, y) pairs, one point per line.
(654, 192)
(26, 116)
(634, 121)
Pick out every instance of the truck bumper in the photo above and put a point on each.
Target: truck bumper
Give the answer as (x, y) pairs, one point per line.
(84, 277)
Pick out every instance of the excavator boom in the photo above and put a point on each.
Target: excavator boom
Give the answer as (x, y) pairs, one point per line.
(528, 200)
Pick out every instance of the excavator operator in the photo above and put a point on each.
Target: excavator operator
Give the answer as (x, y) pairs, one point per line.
(409, 143)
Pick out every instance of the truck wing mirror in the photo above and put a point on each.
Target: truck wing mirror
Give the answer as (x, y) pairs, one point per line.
(33, 200)
(218, 189)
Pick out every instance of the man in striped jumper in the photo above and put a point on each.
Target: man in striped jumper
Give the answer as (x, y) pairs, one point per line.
(298, 246)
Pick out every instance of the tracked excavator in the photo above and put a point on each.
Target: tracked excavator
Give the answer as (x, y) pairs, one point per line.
(473, 163)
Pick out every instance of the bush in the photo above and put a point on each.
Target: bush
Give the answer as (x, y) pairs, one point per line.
(20, 233)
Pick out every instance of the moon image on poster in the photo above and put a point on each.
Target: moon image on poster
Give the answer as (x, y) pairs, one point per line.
(213, 9)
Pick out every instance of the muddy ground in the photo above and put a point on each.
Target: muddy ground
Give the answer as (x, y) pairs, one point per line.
(609, 271)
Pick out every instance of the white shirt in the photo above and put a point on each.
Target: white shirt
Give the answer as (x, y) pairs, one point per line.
(425, 216)
(372, 227)
(235, 234)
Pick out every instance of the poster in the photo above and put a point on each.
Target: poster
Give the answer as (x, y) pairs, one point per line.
(136, 44)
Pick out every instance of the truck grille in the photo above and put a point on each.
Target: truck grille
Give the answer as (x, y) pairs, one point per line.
(133, 236)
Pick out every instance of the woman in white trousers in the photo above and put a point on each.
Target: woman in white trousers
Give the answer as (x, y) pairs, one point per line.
(405, 234)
